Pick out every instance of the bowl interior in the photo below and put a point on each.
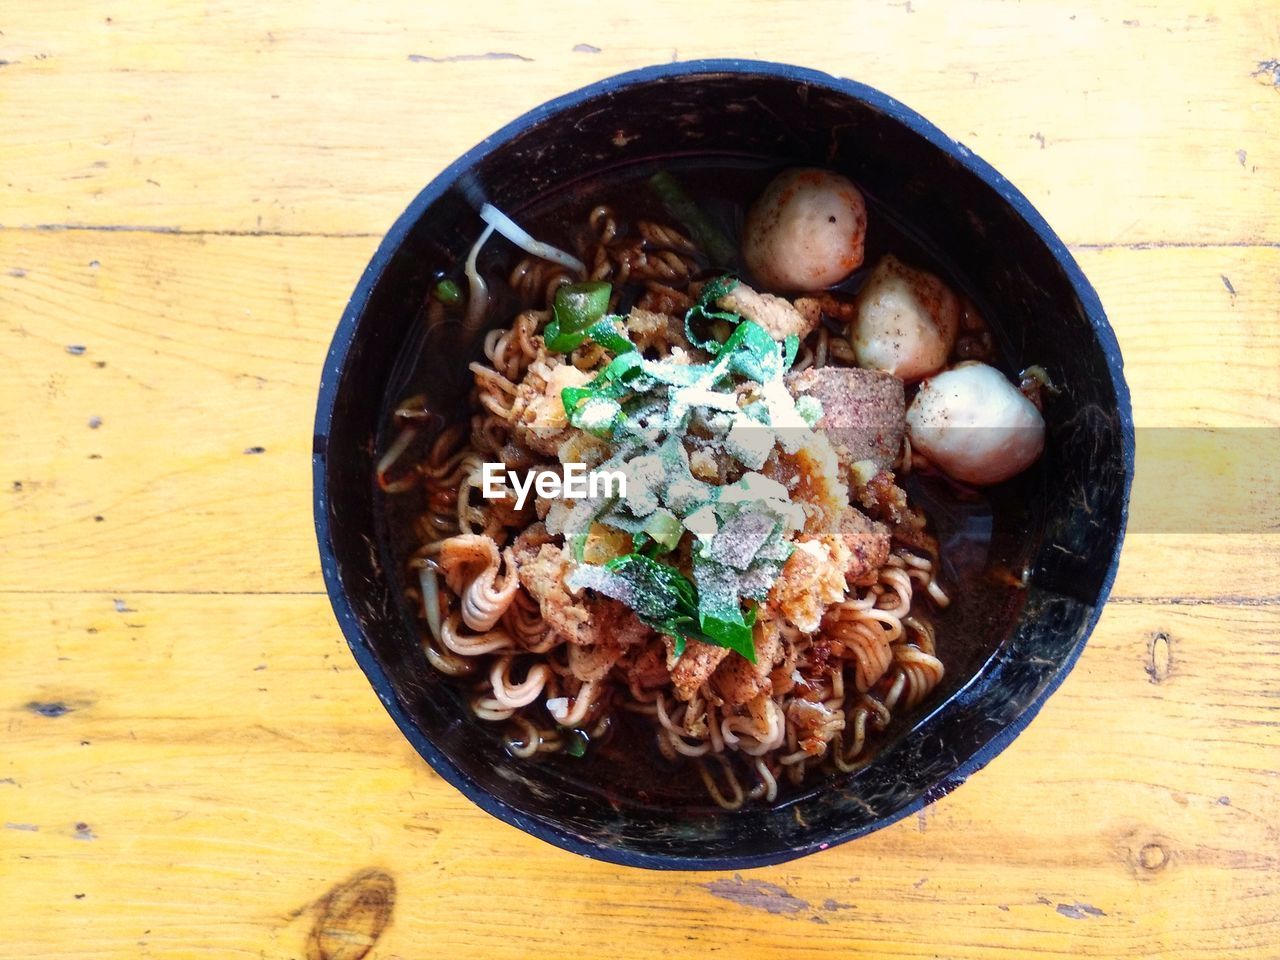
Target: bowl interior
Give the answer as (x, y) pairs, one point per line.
(1061, 527)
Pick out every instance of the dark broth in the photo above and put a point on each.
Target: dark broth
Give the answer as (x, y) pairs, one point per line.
(986, 537)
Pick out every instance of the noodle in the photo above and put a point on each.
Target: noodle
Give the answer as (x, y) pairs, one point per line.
(472, 646)
(736, 797)
(829, 692)
(516, 695)
(470, 565)
(535, 281)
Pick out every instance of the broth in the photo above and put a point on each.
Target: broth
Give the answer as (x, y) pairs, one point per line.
(986, 538)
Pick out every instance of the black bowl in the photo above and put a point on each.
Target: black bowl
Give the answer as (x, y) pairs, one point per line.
(1065, 533)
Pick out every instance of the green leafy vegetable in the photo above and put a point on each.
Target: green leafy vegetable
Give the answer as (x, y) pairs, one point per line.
(660, 593)
(748, 352)
(668, 601)
(727, 627)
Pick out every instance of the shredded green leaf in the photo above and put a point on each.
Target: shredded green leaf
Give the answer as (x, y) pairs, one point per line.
(668, 601)
(661, 592)
(703, 312)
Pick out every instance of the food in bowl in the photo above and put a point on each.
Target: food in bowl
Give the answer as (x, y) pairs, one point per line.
(1027, 563)
(746, 370)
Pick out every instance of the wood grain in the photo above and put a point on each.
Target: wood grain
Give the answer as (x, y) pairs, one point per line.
(193, 764)
(218, 762)
(210, 349)
(324, 118)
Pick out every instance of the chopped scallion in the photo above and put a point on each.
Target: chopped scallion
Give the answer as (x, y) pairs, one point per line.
(680, 205)
(447, 292)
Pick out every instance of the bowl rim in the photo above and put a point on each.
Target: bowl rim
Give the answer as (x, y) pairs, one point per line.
(344, 336)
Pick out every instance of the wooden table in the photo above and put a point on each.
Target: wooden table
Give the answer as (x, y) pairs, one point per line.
(193, 765)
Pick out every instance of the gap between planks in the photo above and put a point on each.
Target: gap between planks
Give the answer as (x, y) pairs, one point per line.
(183, 232)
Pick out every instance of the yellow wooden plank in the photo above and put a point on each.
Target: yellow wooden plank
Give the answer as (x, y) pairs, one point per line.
(197, 352)
(1140, 122)
(222, 764)
(209, 774)
(1197, 330)
(198, 349)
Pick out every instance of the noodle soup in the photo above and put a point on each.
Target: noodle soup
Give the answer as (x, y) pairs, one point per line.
(791, 581)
